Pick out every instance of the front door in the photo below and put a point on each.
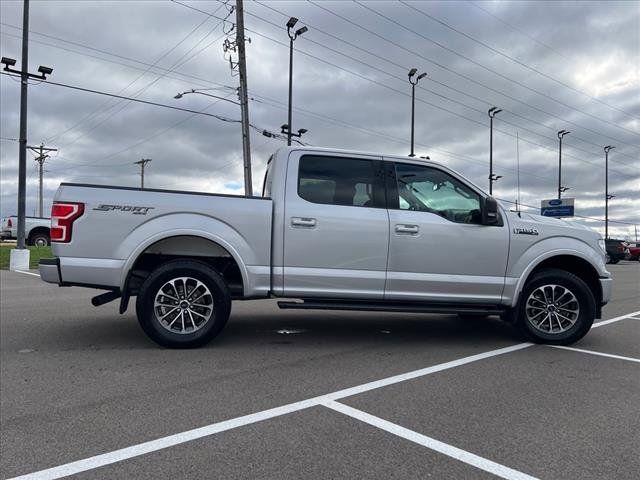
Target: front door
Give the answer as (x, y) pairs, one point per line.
(438, 249)
(336, 231)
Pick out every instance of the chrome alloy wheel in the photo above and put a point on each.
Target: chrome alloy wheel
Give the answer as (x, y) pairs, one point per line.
(183, 305)
(552, 309)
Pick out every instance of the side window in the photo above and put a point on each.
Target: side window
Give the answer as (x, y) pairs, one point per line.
(339, 181)
(427, 189)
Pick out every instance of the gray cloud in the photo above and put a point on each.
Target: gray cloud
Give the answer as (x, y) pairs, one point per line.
(594, 49)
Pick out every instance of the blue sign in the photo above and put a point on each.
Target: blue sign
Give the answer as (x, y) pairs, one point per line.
(557, 207)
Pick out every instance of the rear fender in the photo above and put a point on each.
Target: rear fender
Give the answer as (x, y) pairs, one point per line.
(195, 225)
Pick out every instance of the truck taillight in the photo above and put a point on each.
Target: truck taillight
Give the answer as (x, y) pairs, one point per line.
(63, 214)
(9, 223)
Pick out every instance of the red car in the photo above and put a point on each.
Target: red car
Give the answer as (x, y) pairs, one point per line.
(634, 253)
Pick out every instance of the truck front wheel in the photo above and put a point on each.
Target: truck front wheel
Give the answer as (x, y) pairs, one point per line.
(555, 307)
(183, 304)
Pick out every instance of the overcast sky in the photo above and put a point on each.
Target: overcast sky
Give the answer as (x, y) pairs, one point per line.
(548, 65)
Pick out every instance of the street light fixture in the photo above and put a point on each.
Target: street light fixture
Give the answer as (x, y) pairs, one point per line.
(607, 197)
(182, 94)
(492, 112)
(292, 36)
(561, 189)
(413, 83)
(42, 70)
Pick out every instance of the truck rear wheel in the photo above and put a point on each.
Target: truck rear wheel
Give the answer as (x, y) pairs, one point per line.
(40, 240)
(555, 307)
(183, 304)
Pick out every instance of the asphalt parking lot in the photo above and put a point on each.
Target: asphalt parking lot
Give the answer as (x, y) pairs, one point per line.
(342, 395)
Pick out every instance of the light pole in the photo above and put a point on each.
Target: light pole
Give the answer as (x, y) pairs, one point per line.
(561, 189)
(492, 112)
(20, 255)
(413, 83)
(292, 36)
(607, 197)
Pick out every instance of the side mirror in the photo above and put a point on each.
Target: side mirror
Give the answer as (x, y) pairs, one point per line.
(490, 214)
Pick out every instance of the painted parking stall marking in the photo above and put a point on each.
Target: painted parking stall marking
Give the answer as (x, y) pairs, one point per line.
(430, 443)
(327, 400)
(601, 354)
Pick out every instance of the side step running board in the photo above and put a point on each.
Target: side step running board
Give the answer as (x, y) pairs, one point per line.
(382, 306)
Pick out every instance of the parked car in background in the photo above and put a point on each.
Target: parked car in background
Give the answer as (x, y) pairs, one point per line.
(634, 252)
(36, 230)
(336, 230)
(616, 250)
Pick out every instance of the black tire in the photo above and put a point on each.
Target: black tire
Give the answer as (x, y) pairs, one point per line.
(219, 293)
(583, 295)
(614, 261)
(40, 240)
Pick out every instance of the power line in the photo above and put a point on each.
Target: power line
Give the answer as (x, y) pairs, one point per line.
(154, 81)
(466, 77)
(519, 30)
(578, 216)
(502, 54)
(161, 69)
(405, 94)
(484, 67)
(146, 102)
(405, 68)
(101, 107)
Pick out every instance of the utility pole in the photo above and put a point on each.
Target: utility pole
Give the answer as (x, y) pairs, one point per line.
(492, 112)
(142, 164)
(40, 159)
(607, 197)
(561, 189)
(244, 101)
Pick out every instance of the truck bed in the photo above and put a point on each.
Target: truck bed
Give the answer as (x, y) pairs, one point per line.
(119, 223)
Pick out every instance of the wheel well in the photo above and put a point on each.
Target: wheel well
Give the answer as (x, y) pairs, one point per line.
(38, 230)
(579, 267)
(185, 246)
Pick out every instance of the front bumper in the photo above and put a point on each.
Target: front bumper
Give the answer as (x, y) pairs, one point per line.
(606, 285)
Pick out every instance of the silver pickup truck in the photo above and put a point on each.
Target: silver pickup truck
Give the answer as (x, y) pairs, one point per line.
(36, 230)
(333, 229)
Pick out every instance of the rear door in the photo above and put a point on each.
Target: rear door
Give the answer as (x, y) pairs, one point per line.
(438, 249)
(336, 231)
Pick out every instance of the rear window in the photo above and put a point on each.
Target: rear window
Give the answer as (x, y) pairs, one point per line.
(337, 181)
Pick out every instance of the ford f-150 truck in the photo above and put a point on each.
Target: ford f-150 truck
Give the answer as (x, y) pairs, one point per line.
(333, 229)
(36, 230)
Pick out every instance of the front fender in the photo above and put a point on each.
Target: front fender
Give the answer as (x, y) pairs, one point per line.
(545, 249)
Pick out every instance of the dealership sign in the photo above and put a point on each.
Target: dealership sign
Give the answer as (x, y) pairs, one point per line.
(557, 207)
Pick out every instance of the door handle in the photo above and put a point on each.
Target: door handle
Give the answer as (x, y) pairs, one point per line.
(410, 229)
(303, 222)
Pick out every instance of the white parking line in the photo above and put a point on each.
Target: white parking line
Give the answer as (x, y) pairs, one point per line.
(27, 273)
(183, 437)
(619, 357)
(616, 319)
(431, 443)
